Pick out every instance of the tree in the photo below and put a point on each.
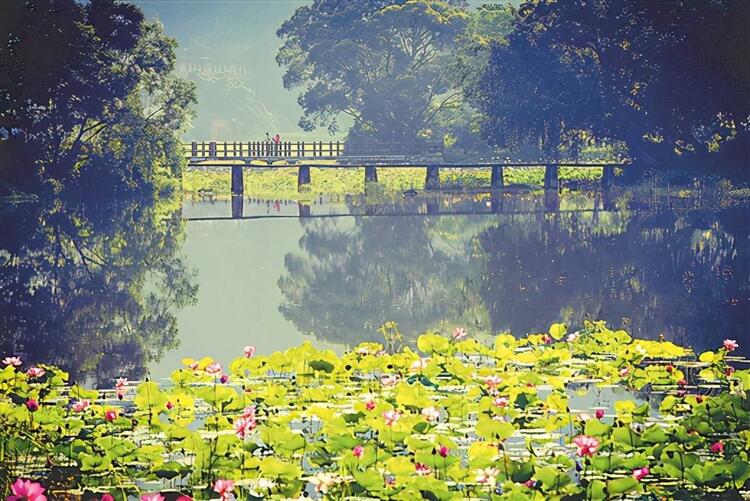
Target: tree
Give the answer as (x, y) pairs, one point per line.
(88, 84)
(382, 63)
(668, 78)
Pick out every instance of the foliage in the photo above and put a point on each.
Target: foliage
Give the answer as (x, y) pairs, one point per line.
(88, 98)
(457, 419)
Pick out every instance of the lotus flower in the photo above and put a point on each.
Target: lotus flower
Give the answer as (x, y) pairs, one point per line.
(224, 488)
(431, 414)
(730, 344)
(501, 402)
(243, 426)
(492, 381)
(35, 372)
(14, 361)
(370, 405)
(264, 483)
(717, 447)
(32, 405)
(110, 415)
(624, 372)
(587, 446)
(419, 365)
(670, 368)
(214, 369)
(81, 405)
(323, 481)
(224, 378)
(152, 496)
(249, 412)
(169, 405)
(729, 371)
(422, 469)
(391, 417)
(443, 451)
(459, 333)
(389, 380)
(121, 382)
(572, 338)
(599, 413)
(640, 473)
(249, 351)
(487, 475)
(358, 451)
(107, 497)
(531, 483)
(182, 498)
(26, 490)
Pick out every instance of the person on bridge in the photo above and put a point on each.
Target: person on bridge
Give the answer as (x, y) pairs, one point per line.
(277, 143)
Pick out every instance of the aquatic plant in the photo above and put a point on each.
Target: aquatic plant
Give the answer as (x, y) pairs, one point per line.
(449, 418)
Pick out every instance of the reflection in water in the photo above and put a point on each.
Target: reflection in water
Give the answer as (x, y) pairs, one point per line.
(683, 275)
(92, 288)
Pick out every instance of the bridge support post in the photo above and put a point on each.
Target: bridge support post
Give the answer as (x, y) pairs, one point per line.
(496, 202)
(304, 209)
(238, 188)
(303, 176)
(608, 180)
(433, 206)
(496, 182)
(238, 202)
(432, 179)
(371, 175)
(551, 188)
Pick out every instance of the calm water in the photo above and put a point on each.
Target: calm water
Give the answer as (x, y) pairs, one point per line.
(130, 287)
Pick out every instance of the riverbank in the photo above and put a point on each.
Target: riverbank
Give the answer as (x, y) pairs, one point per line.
(282, 182)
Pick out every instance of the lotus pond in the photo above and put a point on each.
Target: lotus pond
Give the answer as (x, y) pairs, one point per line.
(451, 418)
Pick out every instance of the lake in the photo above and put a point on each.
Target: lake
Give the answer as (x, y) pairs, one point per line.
(131, 288)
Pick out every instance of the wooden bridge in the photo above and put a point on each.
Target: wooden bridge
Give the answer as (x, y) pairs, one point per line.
(333, 155)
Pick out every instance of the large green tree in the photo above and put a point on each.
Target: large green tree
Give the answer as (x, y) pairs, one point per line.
(385, 64)
(670, 79)
(87, 96)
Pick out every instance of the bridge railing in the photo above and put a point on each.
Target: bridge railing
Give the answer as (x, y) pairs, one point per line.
(263, 149)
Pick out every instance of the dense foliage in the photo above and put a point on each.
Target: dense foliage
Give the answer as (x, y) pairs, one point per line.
(87, 98)
(454, 419)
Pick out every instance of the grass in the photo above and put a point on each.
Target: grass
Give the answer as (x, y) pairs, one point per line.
(281, 182)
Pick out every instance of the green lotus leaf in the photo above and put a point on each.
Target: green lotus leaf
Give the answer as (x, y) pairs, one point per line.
(654, 435)
(557, 331)
(596, 428)
(433, 343)
(492, 429)
(626, 439)
(552, 480)
(94, 462)
(370, 480)
(620, 486)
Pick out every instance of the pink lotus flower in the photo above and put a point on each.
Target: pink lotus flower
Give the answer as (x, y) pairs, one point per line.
(194, 366)
(391, 417)
(729, 371)
(431, 414)
(243, 426)
(419, 365)
(107, 497)
(26, 490)
(670, 368)
(121, 382)
(501, 402)
(81, 405)
(572, 338)
(110, 415)
(487, 475)
(120, 393)
(35, 372)
(249, 412)
(459, 333)
(14, 361)
(599, 413)
(388, 380)
(730, 344)
(587, 446)
(422, 469)
(548, 339)
(249, 351)
(370, 405)
(152, 496)
(213, 369)
(224, 378)
(224, 488)
(32, 405)
(169, 405)
(624, 371)
(358, 451)
(443, 451)
(682, 382)
(183, 498)
(640, 473)
(717, 447)
(492, 381)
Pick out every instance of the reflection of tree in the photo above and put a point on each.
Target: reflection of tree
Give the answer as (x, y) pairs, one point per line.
(92, 288)
(350, 280)
(682, 276)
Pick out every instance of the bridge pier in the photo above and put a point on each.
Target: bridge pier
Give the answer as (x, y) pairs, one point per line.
(551, 187)
(304, 209)
(303, 177)
(237, 181)
(371, 175)
(608, 180)
(496, 202)
(496, 182)
(432, 178)
(238, 203)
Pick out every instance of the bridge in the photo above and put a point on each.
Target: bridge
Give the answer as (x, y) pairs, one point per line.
(303, 155)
